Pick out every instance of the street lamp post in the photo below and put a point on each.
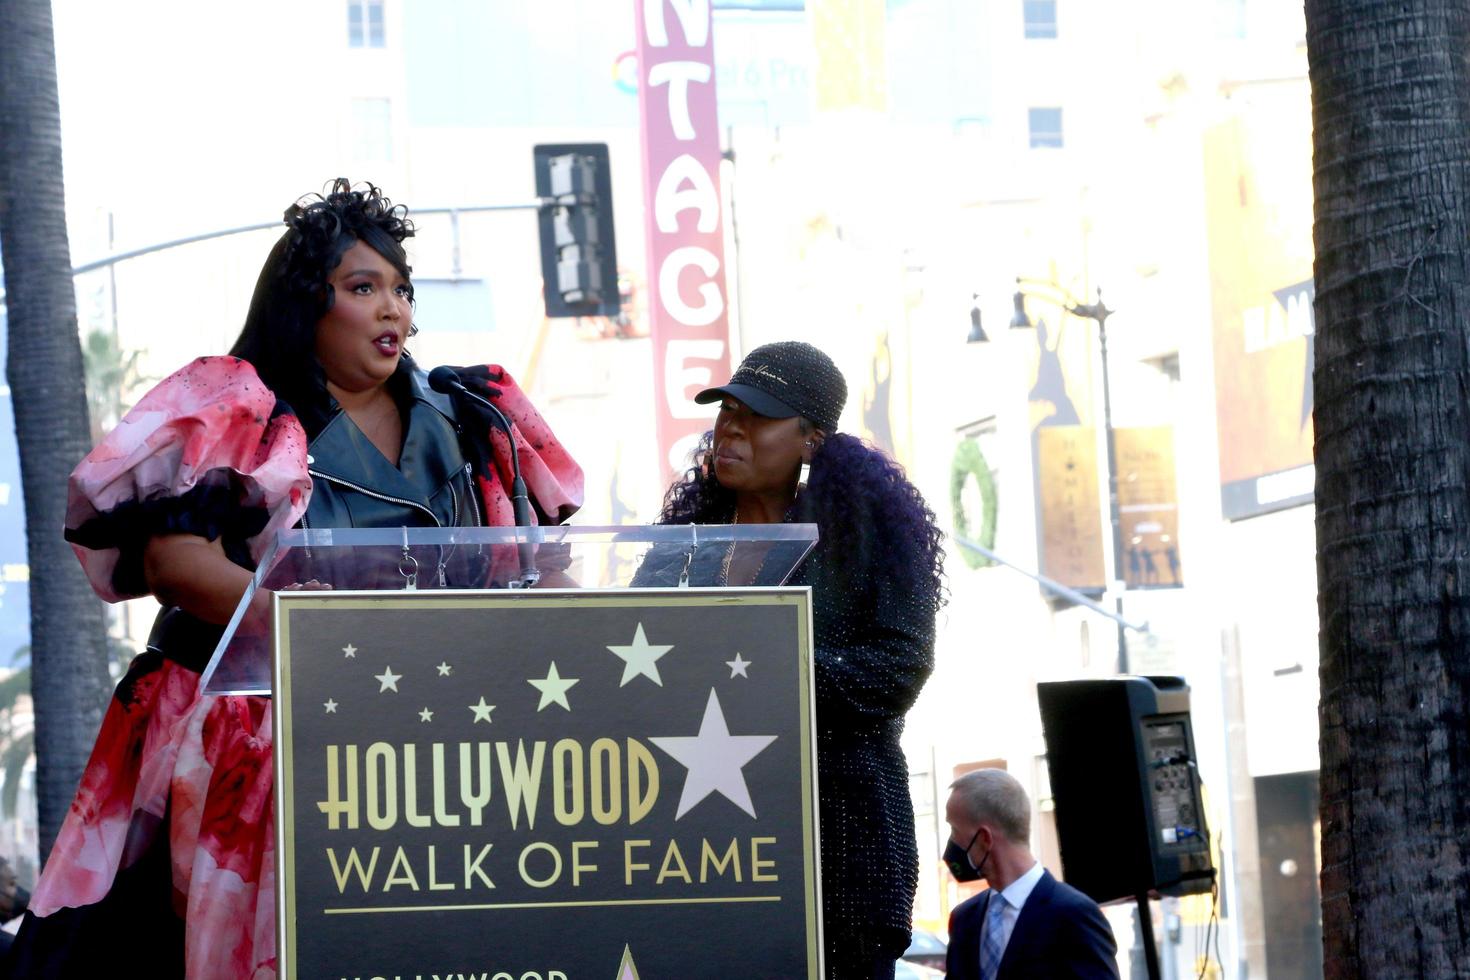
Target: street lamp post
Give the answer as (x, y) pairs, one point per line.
(1097, 312)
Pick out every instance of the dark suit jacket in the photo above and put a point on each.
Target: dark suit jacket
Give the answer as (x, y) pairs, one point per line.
(1060, 933)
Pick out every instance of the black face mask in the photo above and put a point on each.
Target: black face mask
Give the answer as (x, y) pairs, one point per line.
(957, 859)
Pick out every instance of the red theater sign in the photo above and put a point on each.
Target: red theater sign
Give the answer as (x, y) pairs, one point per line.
(689, 316)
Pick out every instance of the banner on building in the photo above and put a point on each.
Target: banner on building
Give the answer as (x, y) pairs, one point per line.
(1258, 185)
(528, 785)
(1148, 507)
(684, 219)
(851, 64)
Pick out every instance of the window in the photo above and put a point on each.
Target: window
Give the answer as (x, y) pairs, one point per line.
(372, 140)
(1046, 127)
(1039, 17)
(365, 23)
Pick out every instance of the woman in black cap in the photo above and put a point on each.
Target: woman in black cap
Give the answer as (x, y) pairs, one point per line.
(876, 584)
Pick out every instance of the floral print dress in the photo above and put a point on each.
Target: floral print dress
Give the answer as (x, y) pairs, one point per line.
(171, 833)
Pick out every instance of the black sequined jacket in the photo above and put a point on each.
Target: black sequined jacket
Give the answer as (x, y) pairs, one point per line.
(873, 655)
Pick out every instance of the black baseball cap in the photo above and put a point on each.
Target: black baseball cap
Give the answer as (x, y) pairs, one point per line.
(784, 379)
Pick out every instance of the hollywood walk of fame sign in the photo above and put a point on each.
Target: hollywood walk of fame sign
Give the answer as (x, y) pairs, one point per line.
(568, 785)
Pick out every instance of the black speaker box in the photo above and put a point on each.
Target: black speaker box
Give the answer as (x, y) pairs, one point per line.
(1125, 786)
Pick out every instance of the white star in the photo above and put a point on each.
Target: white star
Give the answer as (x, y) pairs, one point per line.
(482, 710)
(444, 669)
(426, 715)
(388, 679)
(553, 688)
(714, 759)
(330, 705)
(349, 651)
(737, 666)
(639, 657)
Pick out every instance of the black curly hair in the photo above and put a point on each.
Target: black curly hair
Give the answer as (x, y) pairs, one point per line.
(292, 293)
(866, 511)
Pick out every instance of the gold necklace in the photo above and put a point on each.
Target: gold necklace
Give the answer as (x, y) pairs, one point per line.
(729, 555)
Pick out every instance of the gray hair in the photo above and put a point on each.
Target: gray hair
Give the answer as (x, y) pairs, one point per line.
(994, 796)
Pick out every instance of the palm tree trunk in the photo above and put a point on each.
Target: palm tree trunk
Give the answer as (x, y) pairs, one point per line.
(1391, 141)
(44, 369)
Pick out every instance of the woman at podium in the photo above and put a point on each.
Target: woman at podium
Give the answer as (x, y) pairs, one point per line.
(165, 863)
(775, 455)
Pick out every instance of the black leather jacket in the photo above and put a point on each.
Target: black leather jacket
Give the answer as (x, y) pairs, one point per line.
(354, 485)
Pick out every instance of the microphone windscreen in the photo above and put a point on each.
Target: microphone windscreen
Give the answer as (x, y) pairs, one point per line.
(443, 379)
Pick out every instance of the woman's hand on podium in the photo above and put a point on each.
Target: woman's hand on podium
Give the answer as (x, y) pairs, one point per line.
(556, 579)
(258, 620)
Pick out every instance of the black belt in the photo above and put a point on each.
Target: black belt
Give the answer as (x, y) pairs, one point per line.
(186, 640)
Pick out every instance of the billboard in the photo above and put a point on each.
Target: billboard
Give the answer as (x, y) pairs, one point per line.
(1258, 187)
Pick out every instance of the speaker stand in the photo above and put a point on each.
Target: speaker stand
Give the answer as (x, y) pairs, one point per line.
(1145, 918)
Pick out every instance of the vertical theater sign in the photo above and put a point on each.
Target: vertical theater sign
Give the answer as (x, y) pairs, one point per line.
(688, 314)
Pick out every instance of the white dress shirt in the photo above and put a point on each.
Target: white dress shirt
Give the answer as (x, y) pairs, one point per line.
(1016, 894)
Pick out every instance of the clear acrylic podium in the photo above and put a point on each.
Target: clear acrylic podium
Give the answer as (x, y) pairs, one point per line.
(465, 775)
(472, 559)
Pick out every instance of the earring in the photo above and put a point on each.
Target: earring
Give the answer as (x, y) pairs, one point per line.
(805, 474)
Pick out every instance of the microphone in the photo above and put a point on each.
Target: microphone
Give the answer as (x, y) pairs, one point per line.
(445, 380)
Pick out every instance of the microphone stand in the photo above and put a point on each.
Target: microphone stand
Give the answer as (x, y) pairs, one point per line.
(444, 379)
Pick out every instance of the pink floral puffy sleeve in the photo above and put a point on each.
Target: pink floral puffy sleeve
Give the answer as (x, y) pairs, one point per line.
(553, 478)
(205, 452)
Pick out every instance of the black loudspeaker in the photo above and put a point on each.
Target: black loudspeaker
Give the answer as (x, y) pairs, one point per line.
(1126, 787)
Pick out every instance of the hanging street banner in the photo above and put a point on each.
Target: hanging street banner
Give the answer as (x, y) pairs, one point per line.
(1064, 457)
(1069, 511)
(1148, 507)
(546, 786)
(688, 305)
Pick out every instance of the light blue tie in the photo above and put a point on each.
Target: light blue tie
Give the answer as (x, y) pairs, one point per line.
(991, 944)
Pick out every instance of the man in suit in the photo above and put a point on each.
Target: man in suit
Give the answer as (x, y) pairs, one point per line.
(1027, 924)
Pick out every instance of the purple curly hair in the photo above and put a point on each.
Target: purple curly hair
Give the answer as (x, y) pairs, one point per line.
(863, 505)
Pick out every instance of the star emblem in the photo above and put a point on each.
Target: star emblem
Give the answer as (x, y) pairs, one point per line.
(349, 651)
(640, 657)
(714, 759)
(482, 711)
(388, 680)
(330, 705)
(426, 715)
(444, 669)
(737, 666)
(553, 688)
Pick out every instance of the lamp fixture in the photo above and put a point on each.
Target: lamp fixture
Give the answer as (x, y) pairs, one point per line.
(977, 332)
(1019, 319)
